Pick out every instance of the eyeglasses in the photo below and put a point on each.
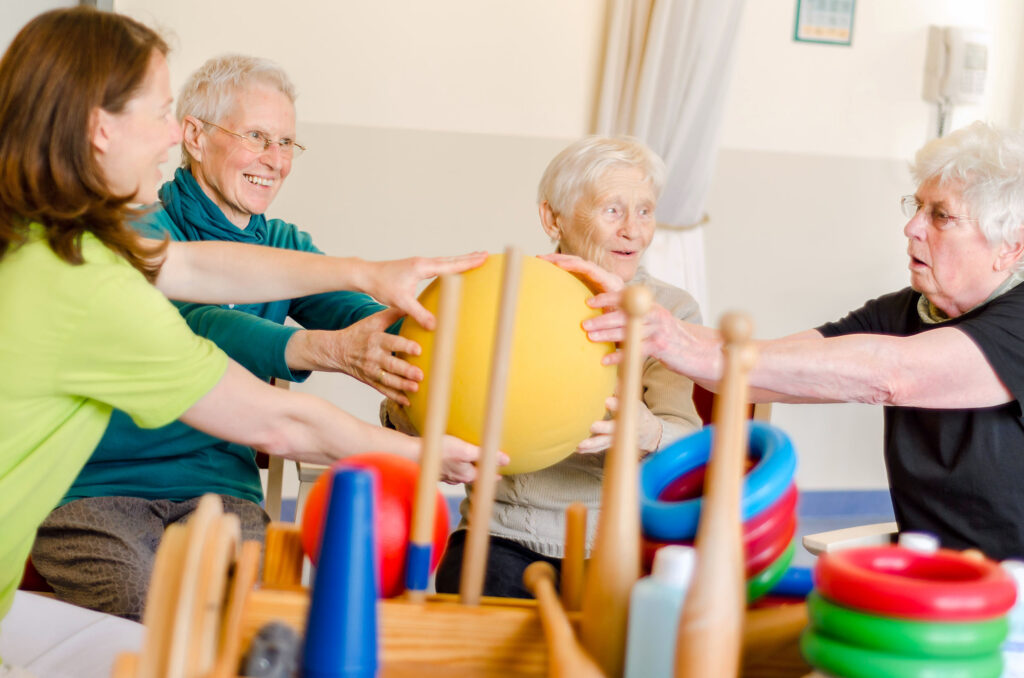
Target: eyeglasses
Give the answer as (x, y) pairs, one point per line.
(910, 206)
(258, 142)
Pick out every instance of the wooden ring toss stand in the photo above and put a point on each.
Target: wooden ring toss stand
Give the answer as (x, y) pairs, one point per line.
(205, 605)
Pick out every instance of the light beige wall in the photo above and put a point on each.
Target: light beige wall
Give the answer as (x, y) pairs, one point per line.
(864, 100)
(522, 68)
(429, 124)
(15, 13)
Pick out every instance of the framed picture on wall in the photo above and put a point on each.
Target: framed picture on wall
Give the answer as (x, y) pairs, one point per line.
(824, 21)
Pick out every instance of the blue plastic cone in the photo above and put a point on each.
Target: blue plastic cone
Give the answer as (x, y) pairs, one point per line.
(341, 632)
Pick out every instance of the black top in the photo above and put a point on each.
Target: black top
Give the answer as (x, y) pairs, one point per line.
(958, 474)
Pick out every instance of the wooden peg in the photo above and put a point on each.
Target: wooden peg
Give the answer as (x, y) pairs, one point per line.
(474, 562)
(710, 630)
(575, 552)
(219, 551)
(421, 534)
(566, 657)
(615, 562)
(282, 565)
(242, 582)
(126, 665)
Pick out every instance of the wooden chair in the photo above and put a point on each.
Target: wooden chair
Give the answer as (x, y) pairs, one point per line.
(704, 401)
(275, 472)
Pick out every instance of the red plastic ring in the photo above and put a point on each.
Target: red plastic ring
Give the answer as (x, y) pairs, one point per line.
(899, 582)
(766, 525)
(690, 485)
(758, 561)
(765, 536)
(771, 547)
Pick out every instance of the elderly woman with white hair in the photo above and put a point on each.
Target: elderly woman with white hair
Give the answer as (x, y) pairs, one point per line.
(944, 356)
(597, 200)
(97, 548)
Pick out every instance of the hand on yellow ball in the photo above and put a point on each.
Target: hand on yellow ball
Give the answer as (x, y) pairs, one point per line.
(601, 432)
(593, 276)
(396, 283)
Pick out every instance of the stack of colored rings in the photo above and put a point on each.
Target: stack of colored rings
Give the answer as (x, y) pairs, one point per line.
(894, 611)
(670, 502)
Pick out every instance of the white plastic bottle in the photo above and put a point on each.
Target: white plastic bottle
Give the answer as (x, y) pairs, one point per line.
(655, 606)
(1013, 648)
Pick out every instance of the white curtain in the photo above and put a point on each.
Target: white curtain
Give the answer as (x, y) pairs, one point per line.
(667, 64)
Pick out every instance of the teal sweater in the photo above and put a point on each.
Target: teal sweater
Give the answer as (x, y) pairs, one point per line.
(177, 462)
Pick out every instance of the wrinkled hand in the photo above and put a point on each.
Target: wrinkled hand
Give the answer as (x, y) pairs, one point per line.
(364, 350)
(458, 460)
(593, 276)
(602, 431)
(395, 283)
(685, 348)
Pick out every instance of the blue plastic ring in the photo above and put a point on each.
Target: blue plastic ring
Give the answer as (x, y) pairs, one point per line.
(763, 485)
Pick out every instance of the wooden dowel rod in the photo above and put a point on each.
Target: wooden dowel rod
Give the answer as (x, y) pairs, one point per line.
(421, 534)
(474, 563)
(710, 630)
(566, 657)
(282, 565)
(575, 552)
(246, 569)
(615, 562)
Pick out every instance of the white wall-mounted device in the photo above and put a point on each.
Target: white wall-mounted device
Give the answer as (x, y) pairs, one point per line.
(956, 65)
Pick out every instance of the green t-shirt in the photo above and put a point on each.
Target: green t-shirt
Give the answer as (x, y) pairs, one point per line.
(76, 341)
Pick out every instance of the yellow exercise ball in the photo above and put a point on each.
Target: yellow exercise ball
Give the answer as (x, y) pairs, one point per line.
(557, 385)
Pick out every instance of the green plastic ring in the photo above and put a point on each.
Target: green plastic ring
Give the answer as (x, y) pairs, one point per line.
(765, 580)
(839, 659)
(903, 636)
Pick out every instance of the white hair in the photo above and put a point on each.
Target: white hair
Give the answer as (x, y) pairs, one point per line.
(988, 164)
(209, 93)
(582, 164)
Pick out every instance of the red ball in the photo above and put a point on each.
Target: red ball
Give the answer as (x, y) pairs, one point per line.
(395, 491)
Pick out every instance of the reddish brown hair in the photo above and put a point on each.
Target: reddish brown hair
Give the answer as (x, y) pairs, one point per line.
(60, 68)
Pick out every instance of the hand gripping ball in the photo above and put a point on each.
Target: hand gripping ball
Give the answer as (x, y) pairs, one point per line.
(557, 385)
(395, 492)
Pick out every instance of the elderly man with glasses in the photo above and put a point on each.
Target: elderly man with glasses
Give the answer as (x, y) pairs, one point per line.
(97, 548)
(944, 356)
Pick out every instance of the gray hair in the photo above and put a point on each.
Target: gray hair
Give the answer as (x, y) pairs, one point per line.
(209, 93)
(583, 163)
(988, 162)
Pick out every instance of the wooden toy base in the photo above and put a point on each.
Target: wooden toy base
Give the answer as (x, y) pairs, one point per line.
(439, 636)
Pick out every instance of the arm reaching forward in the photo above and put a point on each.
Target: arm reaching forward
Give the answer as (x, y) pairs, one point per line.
(243, 409)
(939, 368)
(222, 272)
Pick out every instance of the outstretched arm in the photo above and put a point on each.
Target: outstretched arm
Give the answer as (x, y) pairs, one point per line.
(243, 409)
(940, 368)
(220, 272)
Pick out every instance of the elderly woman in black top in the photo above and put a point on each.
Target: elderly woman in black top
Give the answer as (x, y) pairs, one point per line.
(945, 356)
